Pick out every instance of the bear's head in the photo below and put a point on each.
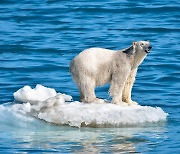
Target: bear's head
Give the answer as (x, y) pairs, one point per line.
(140, 50)
(142, 46)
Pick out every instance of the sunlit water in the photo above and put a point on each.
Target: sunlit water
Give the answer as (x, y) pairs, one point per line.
(39, 38)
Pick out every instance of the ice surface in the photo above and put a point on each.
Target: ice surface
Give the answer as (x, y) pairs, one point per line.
(48, 105)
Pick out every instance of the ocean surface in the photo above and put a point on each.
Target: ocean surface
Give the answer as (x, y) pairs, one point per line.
(39, 38)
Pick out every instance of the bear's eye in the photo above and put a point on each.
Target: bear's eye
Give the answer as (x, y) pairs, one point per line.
(142, 44)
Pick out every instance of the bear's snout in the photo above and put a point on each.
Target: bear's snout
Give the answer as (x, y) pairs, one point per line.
(150, 47)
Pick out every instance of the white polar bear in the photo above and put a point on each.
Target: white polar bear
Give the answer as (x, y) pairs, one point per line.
(97, 66)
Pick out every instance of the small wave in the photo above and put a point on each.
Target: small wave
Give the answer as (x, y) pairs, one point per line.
(48, 105)
(137, 9)
(147, 29)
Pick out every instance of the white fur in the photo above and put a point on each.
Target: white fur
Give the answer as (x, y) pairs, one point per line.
(97, 66)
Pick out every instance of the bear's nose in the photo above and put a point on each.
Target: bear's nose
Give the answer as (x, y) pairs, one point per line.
(150, 47)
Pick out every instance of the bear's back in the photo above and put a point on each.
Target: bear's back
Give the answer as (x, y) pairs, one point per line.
(93, 57)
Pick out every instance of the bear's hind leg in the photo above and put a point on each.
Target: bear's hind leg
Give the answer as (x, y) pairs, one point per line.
(86, 88)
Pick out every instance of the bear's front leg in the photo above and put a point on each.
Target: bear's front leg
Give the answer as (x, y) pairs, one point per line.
(126, 95)
(117, 86)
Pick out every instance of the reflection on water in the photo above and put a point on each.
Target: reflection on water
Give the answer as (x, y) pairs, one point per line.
(47, 137)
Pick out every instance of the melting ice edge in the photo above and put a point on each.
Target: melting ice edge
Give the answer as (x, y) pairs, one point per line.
(46, 104)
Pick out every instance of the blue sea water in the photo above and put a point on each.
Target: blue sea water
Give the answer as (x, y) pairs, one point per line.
(39, 38)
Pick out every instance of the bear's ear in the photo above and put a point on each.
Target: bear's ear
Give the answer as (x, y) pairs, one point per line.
(133, 43)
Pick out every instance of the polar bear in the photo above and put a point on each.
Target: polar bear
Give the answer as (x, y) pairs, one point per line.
(97, 66)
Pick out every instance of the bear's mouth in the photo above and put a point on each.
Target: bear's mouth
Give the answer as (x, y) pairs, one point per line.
(148, 50)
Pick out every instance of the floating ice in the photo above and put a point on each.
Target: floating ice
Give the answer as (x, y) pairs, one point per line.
(44, 103)
(39, 93)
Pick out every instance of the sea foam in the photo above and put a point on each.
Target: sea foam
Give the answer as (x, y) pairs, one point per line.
(46, 104)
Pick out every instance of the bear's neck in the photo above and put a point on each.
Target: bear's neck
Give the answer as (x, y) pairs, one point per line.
(137, 60)
(128, 51)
